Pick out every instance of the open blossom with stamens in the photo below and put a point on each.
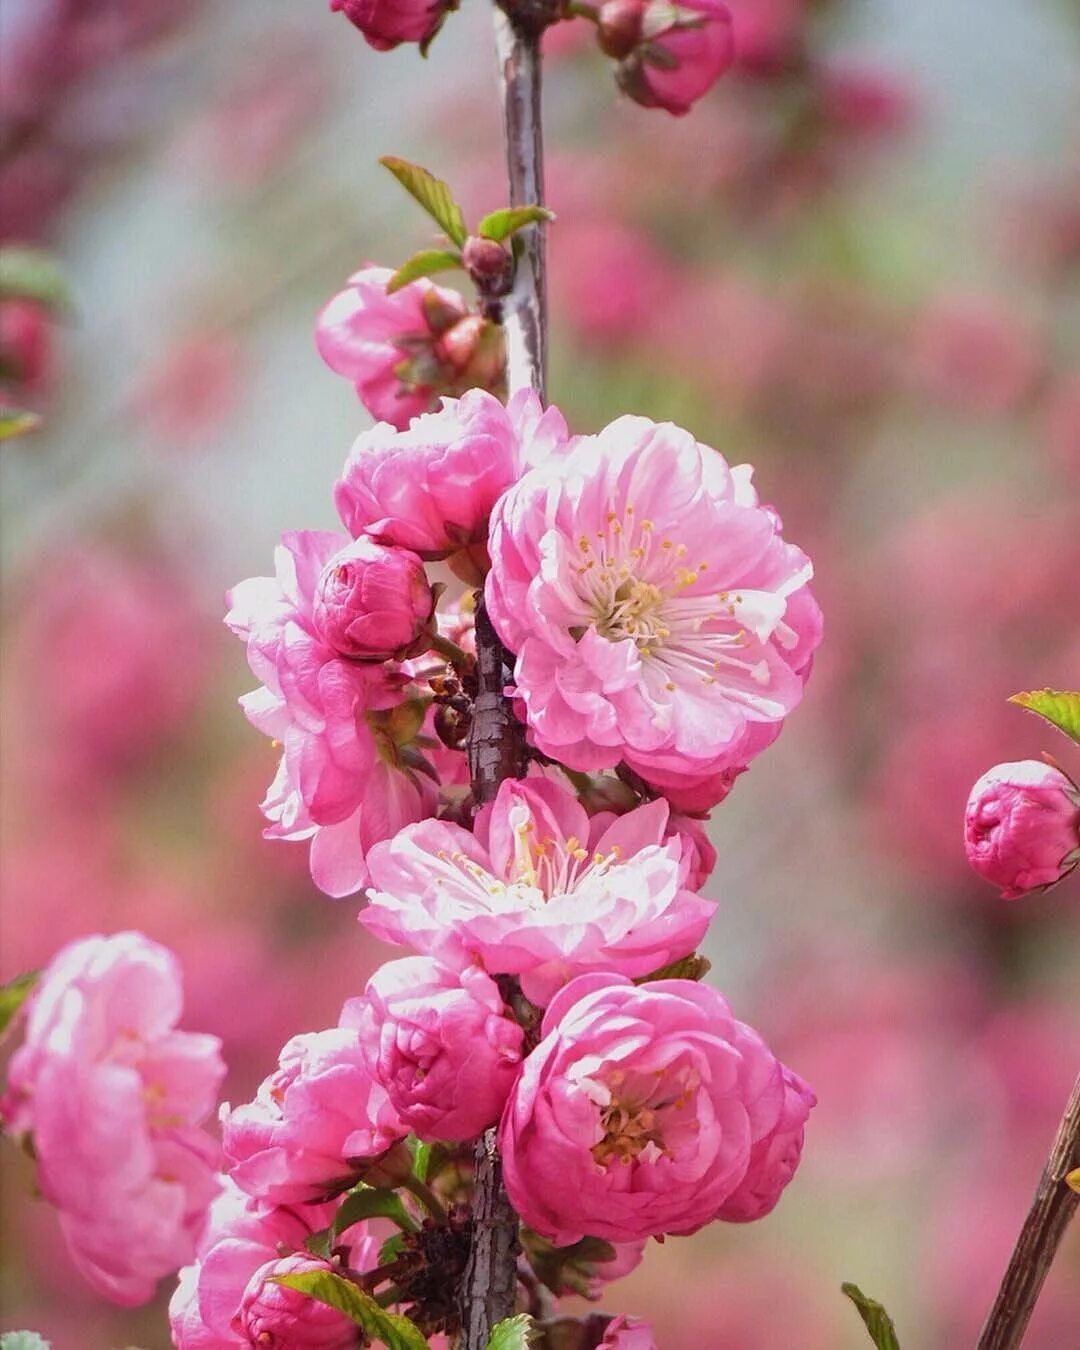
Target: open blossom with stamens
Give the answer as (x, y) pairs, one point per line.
(532, 892)
(349, 774)
(639, 1111)
(112, 1096)
(656, 613)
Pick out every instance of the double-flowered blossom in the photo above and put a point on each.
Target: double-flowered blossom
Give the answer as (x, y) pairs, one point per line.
(112, 1095)
(403, 351)
(386, 23)
(669, 54)
(313, 1123)
(349, 774)
(656, 613)
(443, 1045)
(774, 1157)
(639, 1112)
(1022, 827)
(535, 892)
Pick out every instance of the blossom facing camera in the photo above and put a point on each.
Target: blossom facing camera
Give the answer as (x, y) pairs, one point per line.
(639, 1113)
(387, 23)
(273, 1315)
(443, 1045)
(669, 54)
(374, 603)
(1022, 826)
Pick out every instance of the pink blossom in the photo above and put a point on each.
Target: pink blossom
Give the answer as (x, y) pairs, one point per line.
(638, 1112)
(973, 353)
(25, 346)
(431, 488)
(112, 1096)
(774, 1158)
(386, 23)
(628, 1333)
(272, 1315)
(311, 1123)
(348, 774)
(531, 893)
(668, 56)
(1022, 826)
(657, 615)
(373, 603)
(443, 1045)
(404, 351)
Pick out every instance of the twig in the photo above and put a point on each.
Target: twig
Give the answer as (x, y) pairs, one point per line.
(1049, 1215)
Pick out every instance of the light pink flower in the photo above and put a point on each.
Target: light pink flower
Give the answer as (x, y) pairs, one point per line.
(443, 1045)
(311, 1122)
(638, 1112)
(774, 1158)
(112, 1096)
(348, 775)
(1022, 826)
(431, 488)
(374, 603)
(404, 351)
(272, 1315)
(386, 23)
(628, 1333)
(657, 615)
(529, 893)
(669, 56)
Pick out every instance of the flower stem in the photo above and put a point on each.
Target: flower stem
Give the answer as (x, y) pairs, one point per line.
(427, 1198)
(457, 656)
(1053, 1206)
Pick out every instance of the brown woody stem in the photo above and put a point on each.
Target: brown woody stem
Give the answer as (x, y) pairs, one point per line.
(495, 746)
(1052, 1208)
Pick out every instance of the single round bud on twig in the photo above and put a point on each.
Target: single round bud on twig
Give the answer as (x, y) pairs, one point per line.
(489, 265)
(619, 27)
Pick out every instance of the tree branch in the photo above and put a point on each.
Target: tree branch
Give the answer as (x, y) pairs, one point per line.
(1049, 1215)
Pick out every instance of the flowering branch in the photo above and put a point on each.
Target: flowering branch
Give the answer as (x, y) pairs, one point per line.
(1054, 1205)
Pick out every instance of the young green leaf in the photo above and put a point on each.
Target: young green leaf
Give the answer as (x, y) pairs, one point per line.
(423, 264)
(28, 273)
(878, 1322)
(319, 1244)
(391, 1249)
(389, 1329)
(371, 1202)
(499, 224)
(421, 1156)
(432, 194)
(513, 1333)
(13, 995)
(1072, 1179)
(691, 967)
(14, 422)
(1060, 707)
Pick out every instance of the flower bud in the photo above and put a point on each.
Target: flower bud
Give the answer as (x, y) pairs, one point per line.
(386, 23)
(25, 345)
(1022, 826)
(273, 1315)
(373, 603)
(680, 51)
(489, 265)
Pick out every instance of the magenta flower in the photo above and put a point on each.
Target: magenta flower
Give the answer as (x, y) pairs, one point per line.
(311, 1123)
(774, 1158)
(272, 1315)
(628, 1333)
(638, 1112)
(349, 774)
(431, 488)
(657, 615)
(1022, 826)
(112, 1095)
(669, 55)
(374, 603)
(443, 1045)
(386, 23)
(531, 893)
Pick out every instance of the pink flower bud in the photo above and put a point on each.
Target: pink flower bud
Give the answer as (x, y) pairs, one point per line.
(25, 346)
(628, 1333)
(1022, 826)
(280, 1318)
(489, 264)
(373, 603)
(386, 23)
(671, 53)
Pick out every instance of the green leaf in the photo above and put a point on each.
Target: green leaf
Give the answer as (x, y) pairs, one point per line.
(318, 1244)
(23, 1340)
(513, 1333)
(505, 221)
(421, 1154)
(391, 1249)
(432, 194)
(1060, 707)
(13, 995)
(878, 1322)
(14, 422)
(28, 273)
(371, 1202)
(389, 1329)
(691, 967)
(423, 264)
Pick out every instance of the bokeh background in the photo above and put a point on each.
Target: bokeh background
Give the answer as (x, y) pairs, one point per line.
(855, 264)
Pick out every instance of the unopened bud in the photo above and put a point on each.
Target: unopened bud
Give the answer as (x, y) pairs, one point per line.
(440, 311)
(475, 350)
(373, 602)
(619, 28)
(1022, 826)
(489, 265)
